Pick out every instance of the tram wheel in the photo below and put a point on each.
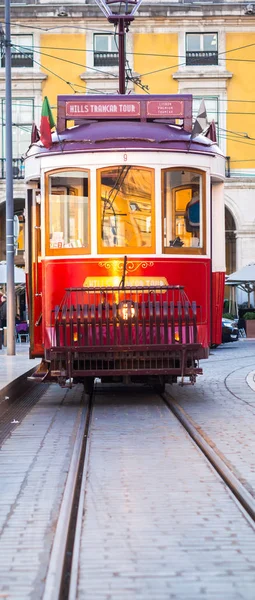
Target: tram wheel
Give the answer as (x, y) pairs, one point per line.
(88, 383)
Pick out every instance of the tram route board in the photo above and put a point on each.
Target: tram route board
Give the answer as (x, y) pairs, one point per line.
(128, 107)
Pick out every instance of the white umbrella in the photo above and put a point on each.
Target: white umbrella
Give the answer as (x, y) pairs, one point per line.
(19, 274)
(244, 279)
(244, 275)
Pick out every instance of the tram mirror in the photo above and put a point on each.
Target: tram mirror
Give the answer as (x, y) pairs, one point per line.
(192, 214)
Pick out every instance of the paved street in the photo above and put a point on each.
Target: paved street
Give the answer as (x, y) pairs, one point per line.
(222, 403)
(158, 522)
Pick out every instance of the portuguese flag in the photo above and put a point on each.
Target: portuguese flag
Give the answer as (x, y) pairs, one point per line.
(47, 122)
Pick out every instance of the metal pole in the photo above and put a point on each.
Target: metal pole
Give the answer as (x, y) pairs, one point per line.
(9, 189)
(122, 57)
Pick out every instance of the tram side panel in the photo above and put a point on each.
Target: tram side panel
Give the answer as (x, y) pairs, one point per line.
(34, 273)
(218, 262)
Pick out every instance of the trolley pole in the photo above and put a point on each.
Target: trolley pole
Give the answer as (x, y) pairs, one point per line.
(9, 189)
(122, 55)
(121, 14)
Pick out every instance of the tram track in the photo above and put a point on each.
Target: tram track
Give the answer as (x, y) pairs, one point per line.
(111, 429)
(59, 570)
(63, 572)
(219, 463)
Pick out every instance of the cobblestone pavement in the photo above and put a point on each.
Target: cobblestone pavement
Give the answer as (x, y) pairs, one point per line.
(34, 463)
(222, 403)
(158, 522)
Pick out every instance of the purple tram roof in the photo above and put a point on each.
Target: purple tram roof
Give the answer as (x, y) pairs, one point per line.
(131, 135)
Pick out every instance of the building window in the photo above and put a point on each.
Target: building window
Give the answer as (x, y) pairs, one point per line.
(201, 49)
(22, 118)
(67, 212)
(183, 209)
(105, 50)
(21, 51)
(126, 209)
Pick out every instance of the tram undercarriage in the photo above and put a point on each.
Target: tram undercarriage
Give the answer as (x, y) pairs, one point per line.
(142, 364)
(144, 334)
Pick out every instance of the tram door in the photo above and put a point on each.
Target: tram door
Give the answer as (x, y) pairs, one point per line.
(35, 272)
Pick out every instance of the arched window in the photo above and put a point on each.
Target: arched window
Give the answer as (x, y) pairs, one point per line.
(67, 212)
(230, 237)
(126, 210)
(183, 211)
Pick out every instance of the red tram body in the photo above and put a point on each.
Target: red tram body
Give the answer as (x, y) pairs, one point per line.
(125, 236)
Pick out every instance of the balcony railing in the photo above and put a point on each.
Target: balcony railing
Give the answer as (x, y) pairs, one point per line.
(198, 57)
(19, 59)
(106, 59)
(18, 168)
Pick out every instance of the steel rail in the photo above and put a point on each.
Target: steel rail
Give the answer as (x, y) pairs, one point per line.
(237, 488)
(78, 531)
(55, 574)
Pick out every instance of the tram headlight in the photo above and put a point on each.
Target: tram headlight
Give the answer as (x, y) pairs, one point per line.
(126, 310)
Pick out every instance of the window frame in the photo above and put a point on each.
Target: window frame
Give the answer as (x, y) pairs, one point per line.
(128, 250)
(105, 52)
(185, 249)
(15, 125)
(17, 52)
(64, 251)
(201, 36)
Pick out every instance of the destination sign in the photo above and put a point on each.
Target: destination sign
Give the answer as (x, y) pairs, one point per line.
(167, 108)
(114, 107)
(102, 109)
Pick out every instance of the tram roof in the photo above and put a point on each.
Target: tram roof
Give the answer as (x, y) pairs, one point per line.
(131, 135)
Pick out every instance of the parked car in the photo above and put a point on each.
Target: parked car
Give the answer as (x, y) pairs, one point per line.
(230, 332)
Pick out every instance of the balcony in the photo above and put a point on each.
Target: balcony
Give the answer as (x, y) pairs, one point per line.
(18, 168)
(199, 58)
(106, 59)
(19, 59)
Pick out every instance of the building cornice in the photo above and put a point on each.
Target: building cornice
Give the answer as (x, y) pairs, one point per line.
(24, 75)
(151, 9)
(199, 73)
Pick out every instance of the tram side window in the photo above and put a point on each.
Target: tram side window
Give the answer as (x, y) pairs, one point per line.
(183, 208)
(126, 196)
(68, 210)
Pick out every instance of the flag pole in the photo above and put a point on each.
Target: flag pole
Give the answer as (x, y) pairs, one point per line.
(9, 189)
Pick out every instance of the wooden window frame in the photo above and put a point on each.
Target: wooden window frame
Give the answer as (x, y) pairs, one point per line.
(64, 251)
(185, 249)
(126, 249)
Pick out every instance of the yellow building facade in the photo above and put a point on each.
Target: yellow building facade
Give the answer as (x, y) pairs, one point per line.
(172, 47)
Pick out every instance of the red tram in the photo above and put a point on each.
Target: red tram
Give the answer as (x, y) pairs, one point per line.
(125, 235)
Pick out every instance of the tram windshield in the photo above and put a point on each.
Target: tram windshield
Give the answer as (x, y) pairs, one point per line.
(126, 209)
(68, 210)
(182, 209)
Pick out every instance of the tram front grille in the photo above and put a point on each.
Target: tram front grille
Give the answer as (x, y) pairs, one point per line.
(97, 318)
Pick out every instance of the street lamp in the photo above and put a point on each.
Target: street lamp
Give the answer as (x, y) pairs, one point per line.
(120, 13)
(119, 7)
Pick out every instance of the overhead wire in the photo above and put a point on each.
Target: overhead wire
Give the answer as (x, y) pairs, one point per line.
(72, 85)
(67, 61)
(107, 74)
